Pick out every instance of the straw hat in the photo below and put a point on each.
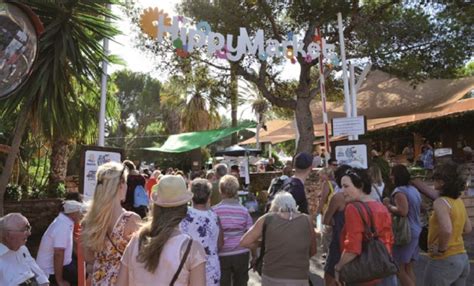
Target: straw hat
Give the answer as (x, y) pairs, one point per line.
(171, 191)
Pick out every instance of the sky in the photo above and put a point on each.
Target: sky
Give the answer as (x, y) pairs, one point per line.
(137, 61)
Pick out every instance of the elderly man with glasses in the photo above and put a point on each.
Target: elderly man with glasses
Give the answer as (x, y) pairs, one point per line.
(17, 267)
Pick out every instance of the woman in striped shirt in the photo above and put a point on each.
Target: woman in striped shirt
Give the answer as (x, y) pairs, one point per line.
(235, 221)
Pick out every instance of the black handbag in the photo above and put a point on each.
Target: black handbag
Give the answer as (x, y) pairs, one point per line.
(423, 240)
(374, 262)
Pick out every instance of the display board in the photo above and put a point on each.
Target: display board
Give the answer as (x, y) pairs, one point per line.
(353, 153)
(91, 158)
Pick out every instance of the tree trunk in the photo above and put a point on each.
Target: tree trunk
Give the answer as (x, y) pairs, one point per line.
(58, 163)
(20, 127)
(234, 100)
(305, 125)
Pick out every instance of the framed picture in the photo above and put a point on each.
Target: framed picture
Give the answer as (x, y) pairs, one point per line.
(91, 158)
(353, 153)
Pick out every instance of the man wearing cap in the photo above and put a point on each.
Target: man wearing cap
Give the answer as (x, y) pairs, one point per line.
(17, 267)
(55, 251)
(303, 164)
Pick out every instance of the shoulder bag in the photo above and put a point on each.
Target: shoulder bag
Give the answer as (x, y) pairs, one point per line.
(181, 264)
(401, 229)
(374, 262)
(259, 262)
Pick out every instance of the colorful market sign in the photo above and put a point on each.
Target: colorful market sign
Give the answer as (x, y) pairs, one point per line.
(187, 37)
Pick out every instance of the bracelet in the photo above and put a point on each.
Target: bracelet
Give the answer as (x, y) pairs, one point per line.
(441, 251)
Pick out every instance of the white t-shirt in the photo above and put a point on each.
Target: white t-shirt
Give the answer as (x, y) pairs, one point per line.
(58, 235)
(18, 266)
(376, 192)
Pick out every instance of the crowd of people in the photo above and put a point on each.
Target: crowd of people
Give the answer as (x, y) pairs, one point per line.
(197, 232)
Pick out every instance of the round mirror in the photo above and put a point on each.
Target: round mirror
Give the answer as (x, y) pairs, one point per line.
(18, 47)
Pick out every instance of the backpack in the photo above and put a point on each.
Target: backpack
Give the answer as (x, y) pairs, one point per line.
(140, 197)
(278, 185)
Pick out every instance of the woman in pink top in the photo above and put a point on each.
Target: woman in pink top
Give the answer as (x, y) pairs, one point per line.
(160, 254)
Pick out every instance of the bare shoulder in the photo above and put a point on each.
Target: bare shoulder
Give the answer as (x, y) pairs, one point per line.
(133, 222)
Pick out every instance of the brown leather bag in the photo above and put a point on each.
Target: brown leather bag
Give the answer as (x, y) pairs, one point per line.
(374, 262)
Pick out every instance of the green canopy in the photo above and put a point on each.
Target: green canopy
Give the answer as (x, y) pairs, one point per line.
(184, 142)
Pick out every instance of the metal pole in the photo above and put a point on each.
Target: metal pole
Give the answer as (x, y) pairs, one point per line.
(323, 95)
(103, 92)
(257, 135)
(347, 105)
(353, 95)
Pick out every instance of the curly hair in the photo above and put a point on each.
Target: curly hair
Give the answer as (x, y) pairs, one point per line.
(453, 183)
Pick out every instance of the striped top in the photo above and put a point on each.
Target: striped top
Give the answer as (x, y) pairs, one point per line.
(235, 221)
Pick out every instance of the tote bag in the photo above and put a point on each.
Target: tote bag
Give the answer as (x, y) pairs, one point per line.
(374, 262)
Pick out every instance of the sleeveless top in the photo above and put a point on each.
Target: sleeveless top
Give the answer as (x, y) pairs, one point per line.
(334, 253)
(107, 262)
(330, 195)
(287, 247)
(414, 207)
(458, 215)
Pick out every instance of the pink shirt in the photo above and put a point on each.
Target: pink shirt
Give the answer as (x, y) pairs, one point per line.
(235, 221)
(170, 259)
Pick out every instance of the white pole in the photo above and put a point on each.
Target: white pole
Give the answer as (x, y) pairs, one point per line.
(353, 95)
(322, 86)
(103, 92)
(257, 136)
(347, 104)
(270, 150)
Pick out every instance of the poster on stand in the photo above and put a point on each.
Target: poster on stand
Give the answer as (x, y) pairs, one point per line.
(91, 158)
(352, 153)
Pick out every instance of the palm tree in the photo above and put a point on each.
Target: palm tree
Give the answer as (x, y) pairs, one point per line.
(70, 53)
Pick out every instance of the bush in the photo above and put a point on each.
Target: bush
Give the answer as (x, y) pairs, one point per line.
(18, 192)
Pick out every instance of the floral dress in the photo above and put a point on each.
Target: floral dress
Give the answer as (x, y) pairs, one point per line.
(107, 262)
(203, 226)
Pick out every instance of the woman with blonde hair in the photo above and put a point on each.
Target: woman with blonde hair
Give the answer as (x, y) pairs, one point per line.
(107, 227)
(160, 254)
(378, 185)
(288, 243)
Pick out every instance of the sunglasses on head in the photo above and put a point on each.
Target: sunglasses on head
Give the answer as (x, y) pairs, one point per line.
(351, 172)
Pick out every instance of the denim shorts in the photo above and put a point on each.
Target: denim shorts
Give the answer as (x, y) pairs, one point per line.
(452, 270)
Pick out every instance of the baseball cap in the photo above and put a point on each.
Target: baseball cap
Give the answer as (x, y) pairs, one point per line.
(303, 160)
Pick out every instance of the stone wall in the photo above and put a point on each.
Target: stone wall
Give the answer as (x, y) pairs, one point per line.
(261, 181)
(40, 213)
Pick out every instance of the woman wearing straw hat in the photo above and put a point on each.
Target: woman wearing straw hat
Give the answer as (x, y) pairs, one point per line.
(160, 254)
(107, 227)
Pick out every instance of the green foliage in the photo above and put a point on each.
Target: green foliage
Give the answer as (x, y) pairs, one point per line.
(138, 101)
(22, 192)
(70, 52)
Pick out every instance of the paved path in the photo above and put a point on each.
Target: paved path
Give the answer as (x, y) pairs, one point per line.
(316, 267)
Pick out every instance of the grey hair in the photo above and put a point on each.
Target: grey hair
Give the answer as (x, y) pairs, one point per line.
(221, 170)
(6, 222)
(201, 188)
(284, 202)
(229, 186)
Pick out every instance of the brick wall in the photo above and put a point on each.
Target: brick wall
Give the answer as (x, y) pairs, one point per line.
(40, 213)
